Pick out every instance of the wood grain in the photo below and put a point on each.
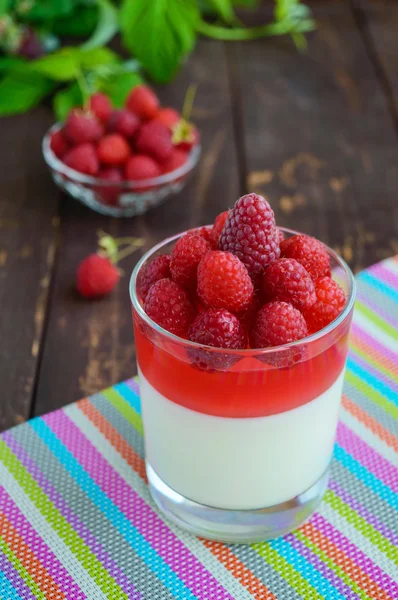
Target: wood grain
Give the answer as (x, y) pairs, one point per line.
(319, 140)
(28, 236)
(89, 345)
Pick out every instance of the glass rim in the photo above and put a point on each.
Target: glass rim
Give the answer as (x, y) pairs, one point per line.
(57, 165)
(244, 351)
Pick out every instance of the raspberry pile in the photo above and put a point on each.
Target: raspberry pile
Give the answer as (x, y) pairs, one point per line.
(240, 284)
(138, 142)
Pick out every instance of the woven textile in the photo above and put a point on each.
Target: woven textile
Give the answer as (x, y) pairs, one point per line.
(77, 521)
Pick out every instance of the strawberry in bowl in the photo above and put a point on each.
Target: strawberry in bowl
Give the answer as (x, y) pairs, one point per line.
(122, 162)
(241, 337)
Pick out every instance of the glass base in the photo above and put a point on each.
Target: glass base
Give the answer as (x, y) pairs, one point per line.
(235, 526)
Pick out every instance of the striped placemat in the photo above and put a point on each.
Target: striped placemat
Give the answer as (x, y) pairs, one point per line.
(76, 519)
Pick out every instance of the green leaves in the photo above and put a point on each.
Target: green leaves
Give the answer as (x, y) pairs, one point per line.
(225, 9)
(65, 64)
(21, 90)
(45, 10)
(160, 33)
(65, 100)
(119, 86)
(107, 26)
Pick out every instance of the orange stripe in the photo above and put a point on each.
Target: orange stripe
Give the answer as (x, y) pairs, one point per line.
(239, 570)
(374, 354)
(112, 435)
(222, 552)
(25, 555)
(370, 423)
(338, 556)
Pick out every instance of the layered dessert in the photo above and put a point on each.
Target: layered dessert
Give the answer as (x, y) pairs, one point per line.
(241, 332)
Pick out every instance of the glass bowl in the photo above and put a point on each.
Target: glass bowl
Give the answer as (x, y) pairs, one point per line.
(123, 199)
(238, 442)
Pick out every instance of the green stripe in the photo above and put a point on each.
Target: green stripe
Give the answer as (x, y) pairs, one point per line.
(59, 524)
(332, 565)
(373, 394)
(370, 358)
(124, 408)
(286, 570)
(367, 530)
(376, 320)
(18, 566)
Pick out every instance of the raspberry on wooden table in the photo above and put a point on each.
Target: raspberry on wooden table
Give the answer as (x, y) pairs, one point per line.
(140, 167)
(223, 281)
(154, 138)
(113, 149)
(218, 226)
(277, 323)
(158, 268)
(81, 127)
(96, 277)
(288, 281)
(143, 102)
(218, 328)
(101, 106)
(185, 258)
(308, 251)
(83, 158)
(330, 301)
(251, 234)
(124, 122)
(168, 305)
(59, 144)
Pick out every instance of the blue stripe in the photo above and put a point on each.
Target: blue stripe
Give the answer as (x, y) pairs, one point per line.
(379, 285)
(7, 591)
(129, 395)
(144, 550)
(305, 568)
(359, 471)
(372, 380)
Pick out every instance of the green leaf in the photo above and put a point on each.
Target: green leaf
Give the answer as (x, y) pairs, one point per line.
(21, 91)
(5, 5)
(224, 9)
(119, 87)
(107, 26)
(65, 100)
(67, 62)
(159, 33)
(96, 57)
(81, 23)
(46, 10)
(8, 63)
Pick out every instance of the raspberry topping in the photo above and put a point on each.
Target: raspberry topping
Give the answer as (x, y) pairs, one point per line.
(309, 252)
(251, 234)
(158, 268)
(96, 276)
(218, 227)
(330, 301)
(288, 281)
(169, 306)
(185, 258)
(277, 323)
(223, 282)
(154, 138)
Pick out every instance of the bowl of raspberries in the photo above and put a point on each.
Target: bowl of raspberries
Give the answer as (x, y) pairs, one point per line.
(122, 162)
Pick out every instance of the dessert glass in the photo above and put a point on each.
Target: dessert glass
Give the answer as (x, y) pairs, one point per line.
(238, 442)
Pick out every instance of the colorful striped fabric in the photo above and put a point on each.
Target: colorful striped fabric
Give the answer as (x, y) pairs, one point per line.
(77, 521)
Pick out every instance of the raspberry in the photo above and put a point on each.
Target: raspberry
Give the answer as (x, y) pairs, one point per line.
(247, 315)
(168, 116)
(124, 122)
(113, 149)
(82, 158)
(251, 234)
(204, 232)
(277, 323)
(185, 135)
(169, 306)
(141, 167)
(58, 144)
(143, 102)
(101, 106)
(223, 281)
(330, 301)
(288, 281)
(154, 139)
(218, 227)
(82, 127)
(308, 251)
(175, 161)
(158, 268)
(96, 277)
(218, 328)
(185, 258)
(108, 193)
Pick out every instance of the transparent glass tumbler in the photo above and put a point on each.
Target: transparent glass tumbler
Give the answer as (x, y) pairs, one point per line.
(238, 442)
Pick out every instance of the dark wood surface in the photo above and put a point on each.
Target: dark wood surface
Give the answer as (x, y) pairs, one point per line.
(315, 132)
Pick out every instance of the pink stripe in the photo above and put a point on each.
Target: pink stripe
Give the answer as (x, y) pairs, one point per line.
(356, 555)
(371, 341)
(42, 552)
(148, 523)
(385, 275)
(367, 457)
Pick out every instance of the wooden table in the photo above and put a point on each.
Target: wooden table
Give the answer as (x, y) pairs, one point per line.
(315, 132)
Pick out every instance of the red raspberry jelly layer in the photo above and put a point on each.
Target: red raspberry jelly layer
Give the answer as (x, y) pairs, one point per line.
(249, 387)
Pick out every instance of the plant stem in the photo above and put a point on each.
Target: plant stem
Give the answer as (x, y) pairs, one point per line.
(250, 33)
(129, 250)
(188, 101)
(81, 80)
